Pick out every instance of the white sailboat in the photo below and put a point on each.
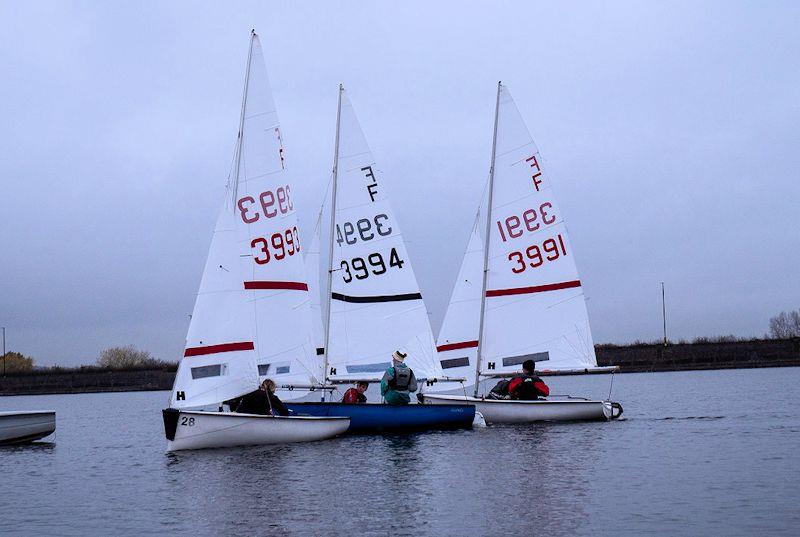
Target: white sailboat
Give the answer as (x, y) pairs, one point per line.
(23, 426)
(251, 316)
(518, 295)
(374, 305)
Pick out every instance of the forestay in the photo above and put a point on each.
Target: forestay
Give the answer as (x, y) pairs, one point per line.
(376, 306)
(535, 307)
(251, 317)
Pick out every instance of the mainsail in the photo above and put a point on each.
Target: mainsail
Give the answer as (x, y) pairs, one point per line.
(251, 316)
(534, 307)
(375, 302)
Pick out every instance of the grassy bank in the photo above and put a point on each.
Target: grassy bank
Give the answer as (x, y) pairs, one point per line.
(639, 357)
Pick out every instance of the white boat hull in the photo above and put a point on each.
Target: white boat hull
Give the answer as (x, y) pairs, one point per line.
(506, 411)
(194, 429)
(21, 427)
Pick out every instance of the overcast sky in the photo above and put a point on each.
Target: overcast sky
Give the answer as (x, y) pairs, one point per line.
(670, 131)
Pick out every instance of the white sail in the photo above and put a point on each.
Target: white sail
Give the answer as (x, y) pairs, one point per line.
(457, 343)
(376, 306)
(251, 317)
(535, 307)
(312, 263)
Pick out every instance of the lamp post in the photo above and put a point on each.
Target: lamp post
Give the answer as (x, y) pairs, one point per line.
(4, 351)
(664, 313)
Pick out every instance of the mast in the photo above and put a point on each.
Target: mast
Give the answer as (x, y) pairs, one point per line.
(238, 152)
(486, 244)
(330, 242)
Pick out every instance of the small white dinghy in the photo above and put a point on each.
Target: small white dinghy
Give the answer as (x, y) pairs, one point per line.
(19, 427)
(200, 430)
(251, 319)
(518, 296)
(551, 409)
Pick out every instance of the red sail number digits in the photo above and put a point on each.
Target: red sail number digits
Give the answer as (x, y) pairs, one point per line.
(533, 219)
(536, 255)
(280, 244)
(267, 201)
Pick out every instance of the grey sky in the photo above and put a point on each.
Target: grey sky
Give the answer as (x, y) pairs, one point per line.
(670, 129)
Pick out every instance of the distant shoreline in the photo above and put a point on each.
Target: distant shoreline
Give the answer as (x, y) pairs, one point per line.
(637, 358)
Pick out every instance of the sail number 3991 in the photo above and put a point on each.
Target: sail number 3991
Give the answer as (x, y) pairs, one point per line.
(536, 255)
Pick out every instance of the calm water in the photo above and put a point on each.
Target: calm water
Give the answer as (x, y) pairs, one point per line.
(698, 453)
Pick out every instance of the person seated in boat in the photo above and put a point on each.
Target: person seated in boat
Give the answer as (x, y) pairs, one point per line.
(356, 395)
(263, 401)
(398, 381)
(527, 386)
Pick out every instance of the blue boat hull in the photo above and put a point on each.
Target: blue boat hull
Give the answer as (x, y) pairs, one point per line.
(370, 418)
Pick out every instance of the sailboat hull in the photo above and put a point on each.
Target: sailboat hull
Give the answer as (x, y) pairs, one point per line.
(193, 429)
(22, 427)
(375, 418)
(505, 411)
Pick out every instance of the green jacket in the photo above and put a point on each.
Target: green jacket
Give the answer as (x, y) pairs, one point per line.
(397, 397)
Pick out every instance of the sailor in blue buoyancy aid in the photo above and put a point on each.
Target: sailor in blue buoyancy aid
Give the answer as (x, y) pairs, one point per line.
(398, 381)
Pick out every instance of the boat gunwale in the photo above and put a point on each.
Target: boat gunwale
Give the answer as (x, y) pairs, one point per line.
(26, 412)
(362, 405)
(474, 400)
(243, 415)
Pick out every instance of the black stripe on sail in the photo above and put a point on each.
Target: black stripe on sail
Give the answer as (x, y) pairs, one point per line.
(378, 298)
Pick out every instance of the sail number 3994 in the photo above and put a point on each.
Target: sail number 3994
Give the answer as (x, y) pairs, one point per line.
(374, 264)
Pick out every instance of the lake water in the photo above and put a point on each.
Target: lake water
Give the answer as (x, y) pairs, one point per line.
(697, 453)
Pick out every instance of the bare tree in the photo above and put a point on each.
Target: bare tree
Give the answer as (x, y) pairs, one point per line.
(16, 362)
(126, 358)
(785, 325)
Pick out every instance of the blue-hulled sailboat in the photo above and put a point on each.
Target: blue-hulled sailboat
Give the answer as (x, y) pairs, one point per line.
(373, 305)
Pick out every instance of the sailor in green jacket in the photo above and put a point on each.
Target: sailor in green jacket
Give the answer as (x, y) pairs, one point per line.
(398, 381)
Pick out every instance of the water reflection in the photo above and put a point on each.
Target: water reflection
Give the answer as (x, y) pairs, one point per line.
(41, 447)
(108, 471)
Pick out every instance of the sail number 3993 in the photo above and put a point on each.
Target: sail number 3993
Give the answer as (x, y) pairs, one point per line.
(248, 210)
(279, 245)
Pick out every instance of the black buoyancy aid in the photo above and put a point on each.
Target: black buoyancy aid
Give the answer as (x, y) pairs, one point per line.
(501, 388)
(401, 378)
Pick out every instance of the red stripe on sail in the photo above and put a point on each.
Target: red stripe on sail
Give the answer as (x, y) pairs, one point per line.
(262, 284)
(456, 346)
(224, 347)
(534, 289)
